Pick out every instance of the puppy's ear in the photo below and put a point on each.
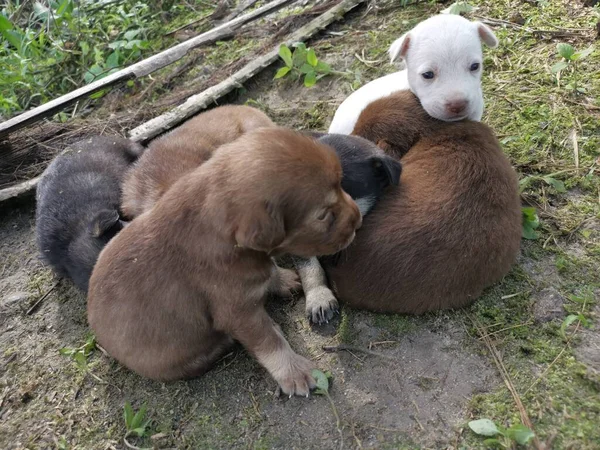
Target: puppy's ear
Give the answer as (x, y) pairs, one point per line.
(399, 48)
(486, 35)
(388, 169)
(104, 221)
(261, 228)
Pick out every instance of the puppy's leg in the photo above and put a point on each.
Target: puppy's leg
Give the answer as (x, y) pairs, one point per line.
(284, 282)
(321, 304)
(255, 330)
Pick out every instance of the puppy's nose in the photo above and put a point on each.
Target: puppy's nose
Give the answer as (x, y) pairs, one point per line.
(456, 106)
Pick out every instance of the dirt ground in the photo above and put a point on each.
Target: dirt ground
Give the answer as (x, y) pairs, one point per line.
(405, 382)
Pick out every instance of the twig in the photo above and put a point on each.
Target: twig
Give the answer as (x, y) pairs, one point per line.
(33, 307)
(126, 442)
(507, 381)
(350, 349)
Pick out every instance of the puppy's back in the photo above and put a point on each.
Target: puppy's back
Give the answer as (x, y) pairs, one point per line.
(452, 227)
(173, 155)
(78, 201)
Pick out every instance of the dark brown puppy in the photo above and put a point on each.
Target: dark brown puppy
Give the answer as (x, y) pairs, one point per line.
(452, 227)
(176, 153)
(184, 279)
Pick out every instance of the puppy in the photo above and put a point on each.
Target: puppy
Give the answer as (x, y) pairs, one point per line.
(367, 172)
(172, 290)
(452, 228)
(78, 199)
(182, 150)
(443, 69)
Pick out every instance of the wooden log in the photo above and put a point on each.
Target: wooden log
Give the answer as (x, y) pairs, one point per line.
(18, 189)
(139, 69)
(195, 103)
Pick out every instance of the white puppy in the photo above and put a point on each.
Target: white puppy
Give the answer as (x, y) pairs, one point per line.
(443, 69)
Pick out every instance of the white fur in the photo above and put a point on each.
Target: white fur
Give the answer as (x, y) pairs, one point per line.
(446, 45)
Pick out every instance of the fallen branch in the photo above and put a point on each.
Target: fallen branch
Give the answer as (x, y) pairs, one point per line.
(198, 102)
(19, 189)
(35, 306)
(139, 69)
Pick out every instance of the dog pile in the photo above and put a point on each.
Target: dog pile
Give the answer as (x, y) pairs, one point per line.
(176, 244)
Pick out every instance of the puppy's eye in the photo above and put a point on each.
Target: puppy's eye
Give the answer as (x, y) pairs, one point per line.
(324, 214)
(428, 75)
(474, 67)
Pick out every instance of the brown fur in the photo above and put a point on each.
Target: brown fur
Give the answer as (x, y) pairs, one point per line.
(173, 155)
(184, 279)
(452, 227)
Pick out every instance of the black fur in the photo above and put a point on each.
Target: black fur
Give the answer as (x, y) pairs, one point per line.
(367, 170)
(78, 199)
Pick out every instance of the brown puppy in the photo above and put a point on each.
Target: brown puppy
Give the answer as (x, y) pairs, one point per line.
(184, 279)
(452, 227)
(176, 153)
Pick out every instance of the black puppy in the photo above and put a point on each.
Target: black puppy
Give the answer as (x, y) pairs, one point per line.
(78, 199)
(367, 172)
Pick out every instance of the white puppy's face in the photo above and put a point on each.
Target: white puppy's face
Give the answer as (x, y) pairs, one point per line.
(444, 64)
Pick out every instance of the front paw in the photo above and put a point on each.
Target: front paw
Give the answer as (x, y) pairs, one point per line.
(288, 282)
(295, 377)
(321, 305)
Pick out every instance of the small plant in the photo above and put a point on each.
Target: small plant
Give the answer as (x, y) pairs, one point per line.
(577, 311)
(558, 185)
(530, 222)
(459, 8)
(80, 354)
(570, 57)
(322, 379)
(501, 437)
(303, 61)
(134, 421)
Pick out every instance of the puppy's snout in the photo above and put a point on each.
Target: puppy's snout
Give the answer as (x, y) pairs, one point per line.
(457, 106)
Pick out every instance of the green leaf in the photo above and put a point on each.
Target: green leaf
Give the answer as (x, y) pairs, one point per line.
(520, 434)
(64, 7)
(566, 51)
(307, 68)
(97, 95)
(530, 223)
(458, 8)
(299, 56)
(131, 34)
(311, 57)
(286, 54)
(80, 359)
(85, 47)
(66, 351)
(323, 67)
(561, 65)
(568, 321)
(128, 415)
(492, 443)
(583, 53)
(138, 418)
(484, 427)
(321, 380)
(556, 184)
(5, 24)
(113, 60)
(282, 72)
(139, 431)
(310, 79)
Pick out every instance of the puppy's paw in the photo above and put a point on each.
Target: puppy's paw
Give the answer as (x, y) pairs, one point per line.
(288, 282)
(295, 378)
(321, 305)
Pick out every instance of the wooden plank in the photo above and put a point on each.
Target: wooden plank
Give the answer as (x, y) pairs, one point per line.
(196, 103)
(139, 69)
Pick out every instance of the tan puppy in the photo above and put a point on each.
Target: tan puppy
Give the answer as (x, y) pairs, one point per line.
(184, 279)
(452, 227)
(176, 153)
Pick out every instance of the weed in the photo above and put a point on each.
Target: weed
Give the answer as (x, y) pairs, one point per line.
(135, 423)
(569, 62)
(530, 222)
(304, 62)
(80, 354)
(499, 436)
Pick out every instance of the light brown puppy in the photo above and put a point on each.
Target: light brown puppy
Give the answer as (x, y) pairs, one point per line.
(452, 227)
(180, 151)
(184, 279)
